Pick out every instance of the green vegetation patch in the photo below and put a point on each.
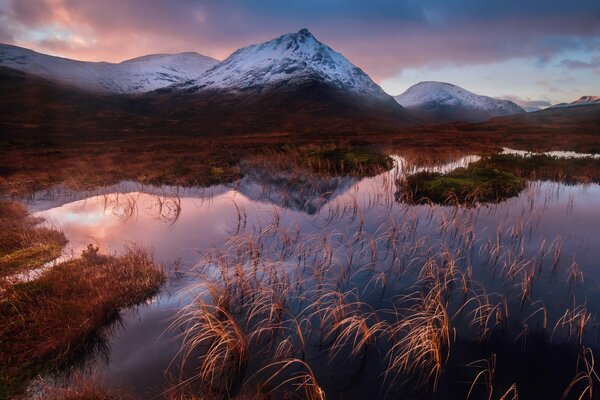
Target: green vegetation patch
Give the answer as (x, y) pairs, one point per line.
(461, 186)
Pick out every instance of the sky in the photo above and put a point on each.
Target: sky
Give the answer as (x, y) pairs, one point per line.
(535, 52)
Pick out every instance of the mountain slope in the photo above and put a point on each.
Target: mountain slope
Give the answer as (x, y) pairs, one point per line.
(291, 83)
(292, 58)
(138, 75)
(438, 102)
(582, 101)
(35, 106)
(561, 121)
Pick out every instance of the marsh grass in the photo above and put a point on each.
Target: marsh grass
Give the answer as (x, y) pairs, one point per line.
(276, 307)
(79, 389)
(545, 167)
(24, 245)
(323, 160)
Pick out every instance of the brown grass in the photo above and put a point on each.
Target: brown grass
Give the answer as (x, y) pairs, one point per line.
(80, 390)
(35, 160)
(47, 322)
(23, 244)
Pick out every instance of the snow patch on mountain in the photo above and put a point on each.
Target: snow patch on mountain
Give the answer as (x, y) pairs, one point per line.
(442, 93)
(582, 101)
(138, 75)
(291, 58)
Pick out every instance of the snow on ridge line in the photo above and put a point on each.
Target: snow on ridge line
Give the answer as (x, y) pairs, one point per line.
(442, 93)
(137, 75)
(287, 58)
(293, 57)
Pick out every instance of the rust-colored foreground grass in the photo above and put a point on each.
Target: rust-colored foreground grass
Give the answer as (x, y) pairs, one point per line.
(23, 245)
(47, 322)
(83, 390)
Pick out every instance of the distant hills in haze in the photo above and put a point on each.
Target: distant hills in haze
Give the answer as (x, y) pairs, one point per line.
(293, 83)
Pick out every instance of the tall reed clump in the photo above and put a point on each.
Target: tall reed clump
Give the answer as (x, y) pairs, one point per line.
(421, 341)
(48, 322)
(214, 337)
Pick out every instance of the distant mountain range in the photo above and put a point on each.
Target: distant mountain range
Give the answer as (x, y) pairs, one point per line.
(438, 102)
(138, 75)
(293, 83)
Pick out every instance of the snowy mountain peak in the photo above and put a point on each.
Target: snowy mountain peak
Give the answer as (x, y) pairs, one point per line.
(137, 75)
(447, 93)
(290, 58)
(453, 103)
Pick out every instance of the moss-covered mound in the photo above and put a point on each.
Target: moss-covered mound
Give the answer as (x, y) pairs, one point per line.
(461, 186)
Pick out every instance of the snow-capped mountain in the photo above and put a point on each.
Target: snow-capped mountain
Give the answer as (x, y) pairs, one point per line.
(289, 59)
(444, 102)
(582, 101)
(293, 82)
(138, 75)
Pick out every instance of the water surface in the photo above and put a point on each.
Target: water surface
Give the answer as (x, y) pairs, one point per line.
(548, 232)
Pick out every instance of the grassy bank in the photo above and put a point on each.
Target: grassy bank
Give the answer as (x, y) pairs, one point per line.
(461, 186)
(48, 322)
(322, 160)
(545, 167)
(84, 390)
(35, 161)
(24, 245)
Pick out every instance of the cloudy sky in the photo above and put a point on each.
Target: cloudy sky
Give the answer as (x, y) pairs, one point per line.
(532, 51)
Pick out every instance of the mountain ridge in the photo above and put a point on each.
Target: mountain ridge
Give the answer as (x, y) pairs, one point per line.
(136, 75)
(439, 102)
(293, 83)
(285, 58)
